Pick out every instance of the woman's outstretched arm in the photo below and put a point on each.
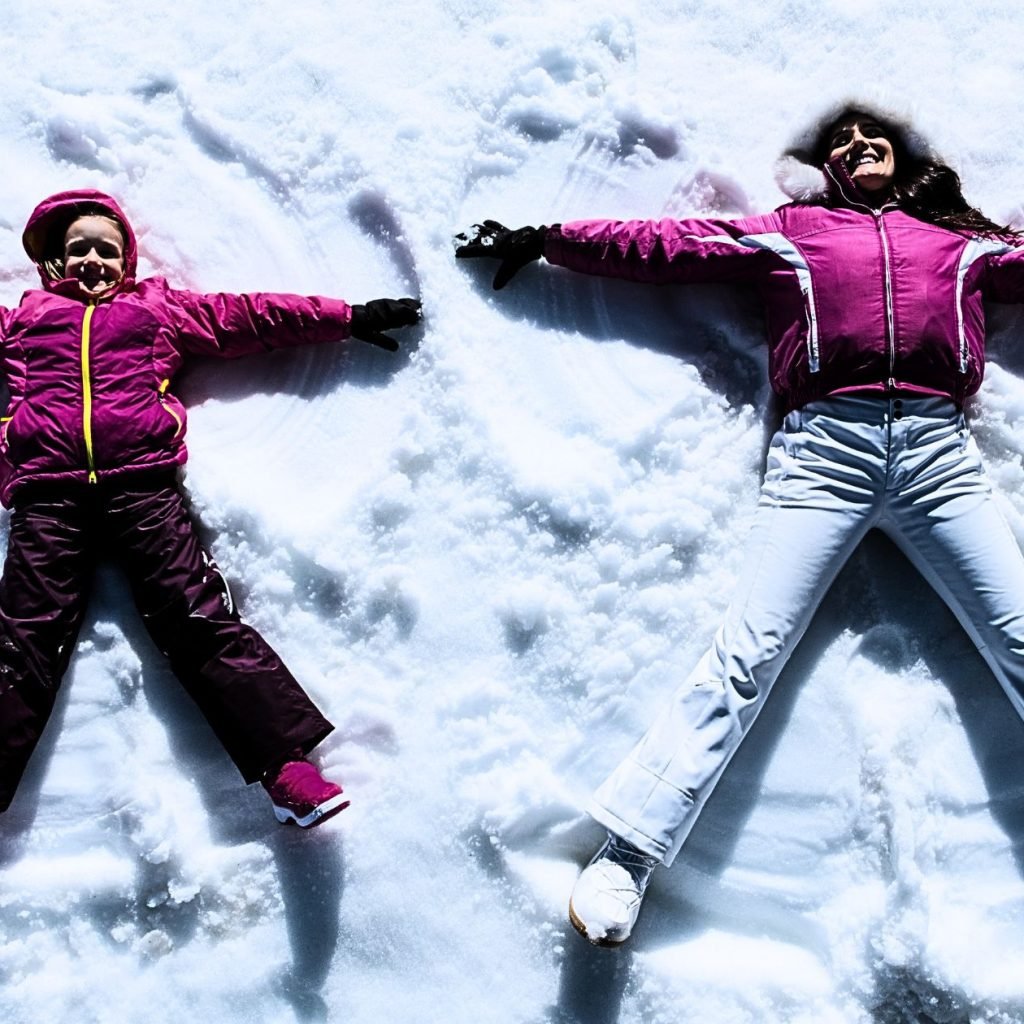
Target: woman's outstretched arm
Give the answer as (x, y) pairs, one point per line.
(664, 251)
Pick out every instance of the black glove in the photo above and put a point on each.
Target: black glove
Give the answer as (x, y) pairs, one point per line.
(369, 321)
(514, 248)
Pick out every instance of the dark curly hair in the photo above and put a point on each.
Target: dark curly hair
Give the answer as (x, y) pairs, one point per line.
(931, 191)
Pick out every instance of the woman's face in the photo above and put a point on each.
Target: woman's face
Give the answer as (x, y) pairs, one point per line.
(861, 143)
(94, 254)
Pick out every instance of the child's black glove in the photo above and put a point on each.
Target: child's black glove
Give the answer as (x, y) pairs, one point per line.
(514, 248)
(370, 320)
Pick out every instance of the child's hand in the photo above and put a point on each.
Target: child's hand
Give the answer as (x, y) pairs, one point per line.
(369, 321)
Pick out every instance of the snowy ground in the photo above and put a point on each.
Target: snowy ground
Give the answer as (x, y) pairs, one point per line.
(490, 557)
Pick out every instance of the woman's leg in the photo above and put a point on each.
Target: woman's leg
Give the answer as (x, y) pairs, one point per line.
(256, 707)
(654, 796)
(822, 492)
(945, 519)
(43, 593)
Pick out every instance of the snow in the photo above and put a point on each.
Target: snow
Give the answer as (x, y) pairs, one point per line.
(490, 557)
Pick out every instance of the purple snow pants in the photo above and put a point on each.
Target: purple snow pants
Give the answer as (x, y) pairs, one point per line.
(254, 704)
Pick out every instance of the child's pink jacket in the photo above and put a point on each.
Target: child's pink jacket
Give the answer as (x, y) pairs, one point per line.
(89, 382)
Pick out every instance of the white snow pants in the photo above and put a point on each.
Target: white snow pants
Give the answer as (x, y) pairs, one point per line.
(836, 468)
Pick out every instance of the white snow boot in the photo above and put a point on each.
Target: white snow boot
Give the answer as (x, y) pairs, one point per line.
(606, 898)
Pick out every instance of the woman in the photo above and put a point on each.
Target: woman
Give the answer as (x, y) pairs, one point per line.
(873, 284)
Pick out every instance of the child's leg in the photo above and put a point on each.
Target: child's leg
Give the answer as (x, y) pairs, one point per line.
(254, 704)
(43, 592)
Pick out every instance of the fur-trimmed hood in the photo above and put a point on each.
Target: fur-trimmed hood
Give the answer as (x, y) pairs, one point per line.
(800, 172)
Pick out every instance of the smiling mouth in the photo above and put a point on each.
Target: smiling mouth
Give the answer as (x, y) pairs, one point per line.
(864, 158)
(94, 284)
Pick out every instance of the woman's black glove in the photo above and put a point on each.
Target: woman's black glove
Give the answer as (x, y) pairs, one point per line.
(514, 248)
(369, 321)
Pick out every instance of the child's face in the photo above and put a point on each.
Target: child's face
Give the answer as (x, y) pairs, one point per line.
(94, 254)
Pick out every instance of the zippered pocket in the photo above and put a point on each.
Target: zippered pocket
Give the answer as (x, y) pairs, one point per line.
(813, 349)
(5, 423)
(974, 250)
(165, 401)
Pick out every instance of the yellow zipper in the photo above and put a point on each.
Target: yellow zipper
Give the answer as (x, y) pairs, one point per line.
(164, 385)
(87, 394)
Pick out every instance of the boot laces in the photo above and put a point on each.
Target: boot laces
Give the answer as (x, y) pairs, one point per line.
(637, 864)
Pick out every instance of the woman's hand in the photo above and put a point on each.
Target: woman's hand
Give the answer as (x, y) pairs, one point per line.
(370, 320)
(515, 248)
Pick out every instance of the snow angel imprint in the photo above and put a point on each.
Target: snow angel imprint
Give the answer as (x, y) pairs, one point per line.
(90, 449)
(873, 281)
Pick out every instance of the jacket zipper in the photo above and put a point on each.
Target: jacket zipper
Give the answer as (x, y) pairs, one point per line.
(90, 460)
(889, 318)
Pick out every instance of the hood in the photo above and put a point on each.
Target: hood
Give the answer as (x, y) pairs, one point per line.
(802, 172)
(44, 233)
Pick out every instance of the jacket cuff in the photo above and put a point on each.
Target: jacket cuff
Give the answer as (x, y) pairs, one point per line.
(337, 311)
(553, 243)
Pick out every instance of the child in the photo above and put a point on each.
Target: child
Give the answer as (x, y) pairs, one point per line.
(89, 452)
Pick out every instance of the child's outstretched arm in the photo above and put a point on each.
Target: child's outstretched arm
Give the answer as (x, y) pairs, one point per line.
(236, 325)
(369, 321)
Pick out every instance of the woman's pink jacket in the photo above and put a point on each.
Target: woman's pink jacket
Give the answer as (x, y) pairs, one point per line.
(857, 299)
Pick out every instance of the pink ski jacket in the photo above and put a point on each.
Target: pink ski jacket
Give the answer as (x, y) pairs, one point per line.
(89, 381)
(857, 299)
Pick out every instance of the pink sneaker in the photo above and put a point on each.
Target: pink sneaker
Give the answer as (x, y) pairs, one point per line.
(302, 796)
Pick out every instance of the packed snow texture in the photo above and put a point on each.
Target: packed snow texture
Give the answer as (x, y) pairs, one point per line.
(490, 557)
